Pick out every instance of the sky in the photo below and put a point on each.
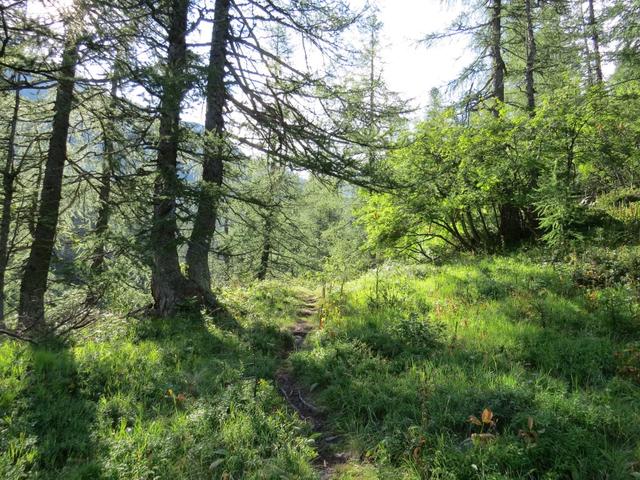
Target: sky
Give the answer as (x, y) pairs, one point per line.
(410, 68)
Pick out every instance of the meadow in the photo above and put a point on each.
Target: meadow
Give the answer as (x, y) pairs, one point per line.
(489, 367)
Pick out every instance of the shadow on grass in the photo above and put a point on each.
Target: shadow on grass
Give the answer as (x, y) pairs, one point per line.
(196, 338)
(212, 392)
(91, 410)
(60, 416)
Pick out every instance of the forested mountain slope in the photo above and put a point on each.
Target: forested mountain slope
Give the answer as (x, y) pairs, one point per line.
(229, 249)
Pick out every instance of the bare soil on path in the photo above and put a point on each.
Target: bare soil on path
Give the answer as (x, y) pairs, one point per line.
(298, 397)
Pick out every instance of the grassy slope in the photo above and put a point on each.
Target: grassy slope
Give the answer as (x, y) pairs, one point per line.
(180, 398)
(399, 377)
(402, 375)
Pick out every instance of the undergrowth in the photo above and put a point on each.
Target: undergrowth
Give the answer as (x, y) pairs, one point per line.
(149, 399)
(406, 373)
(489, 368)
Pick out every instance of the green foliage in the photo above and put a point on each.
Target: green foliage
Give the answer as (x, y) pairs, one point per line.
(568, 172)
(559, 211)
(454, 176)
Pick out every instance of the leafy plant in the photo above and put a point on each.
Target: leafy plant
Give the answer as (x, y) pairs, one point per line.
(417, 333)
(486, 425)
(558, 209)
(530, 435)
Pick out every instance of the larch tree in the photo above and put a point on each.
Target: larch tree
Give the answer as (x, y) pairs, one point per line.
(531, 51)
(594, 33)
(8, 188)
(253, 95)
(214, 150)
(169, 286)
(36, 270)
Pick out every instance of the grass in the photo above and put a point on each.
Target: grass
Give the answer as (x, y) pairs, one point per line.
(401, 373)
(179, 398)
(489, 368)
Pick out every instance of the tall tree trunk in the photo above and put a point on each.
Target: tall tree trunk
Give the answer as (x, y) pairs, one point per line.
(595, 39)
(34, 280)
(214, 152)
(32, 214)
(104, 193)
(168, 284)
(510, 227)
(529, 214)
(587, 51)
(496, 52)
(8, 179)
(373, 42)
(266, 249)
(531, 59)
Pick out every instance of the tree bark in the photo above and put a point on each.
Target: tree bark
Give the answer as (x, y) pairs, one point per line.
(104, 193)
(373, 43)
(34, 280)
(529, 215)
(587, 51)
(509, 226)
(595, 39)
(168, 284)
(531, 59)
(8, 179)
(266, 249)
(496, 53)
(214, 152)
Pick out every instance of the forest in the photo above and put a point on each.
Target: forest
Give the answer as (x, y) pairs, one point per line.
(229, 249)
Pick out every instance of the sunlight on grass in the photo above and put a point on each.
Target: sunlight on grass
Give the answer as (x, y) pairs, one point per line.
(489, 368)
(408, 368)
(176, 398)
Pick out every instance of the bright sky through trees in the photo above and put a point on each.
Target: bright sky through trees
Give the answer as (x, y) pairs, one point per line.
(410, 68)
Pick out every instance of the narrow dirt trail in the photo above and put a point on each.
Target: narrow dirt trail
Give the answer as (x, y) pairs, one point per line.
(297, 396)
